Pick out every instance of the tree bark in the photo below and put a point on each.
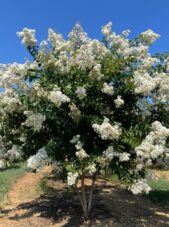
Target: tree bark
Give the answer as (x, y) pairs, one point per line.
(86, 203)
(91, 193)
(84, 197)
(80, 197)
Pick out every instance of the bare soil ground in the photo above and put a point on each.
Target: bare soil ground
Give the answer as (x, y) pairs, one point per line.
(113, 206)
(162, 173)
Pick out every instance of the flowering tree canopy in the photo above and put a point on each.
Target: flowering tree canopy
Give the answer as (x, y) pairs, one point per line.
(91, 106)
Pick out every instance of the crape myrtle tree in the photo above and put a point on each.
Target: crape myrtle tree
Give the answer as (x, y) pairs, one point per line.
(92, 107)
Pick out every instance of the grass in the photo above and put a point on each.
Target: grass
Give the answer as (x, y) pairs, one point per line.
(42, 186)
(9, 176)
(160, 191)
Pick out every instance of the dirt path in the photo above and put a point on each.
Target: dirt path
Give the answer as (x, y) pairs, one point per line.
(24, 188)
(23, 191)
(113, 206)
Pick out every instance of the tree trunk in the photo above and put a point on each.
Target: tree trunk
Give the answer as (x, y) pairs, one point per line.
(84, 197)
(86, 204)
(91, 193)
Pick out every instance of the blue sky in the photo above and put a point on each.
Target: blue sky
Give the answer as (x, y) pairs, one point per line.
(61, 15)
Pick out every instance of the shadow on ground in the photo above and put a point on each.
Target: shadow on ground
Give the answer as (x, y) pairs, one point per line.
(113, 206)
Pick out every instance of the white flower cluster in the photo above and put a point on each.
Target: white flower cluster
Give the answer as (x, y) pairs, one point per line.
(140, 52)
(161, 131)
(96, 72)
(119, 101)
(9, 156)
(162, 80)
(88, 57)
(15, 153)
(38, 90)
(2, 164)
(122, 45)
(75, 113)
(108, 154)
(124, 157)
(88, 52)
(149, 36)
(57, 97)
(28, 37)
(107, 131)
(36, 162)
(144, 106)
(91, 169)
(14, 74)
(144, 83)
(81, 154)
(81, 92)
(147, 62)
(56, 40)
(9, 101)
(34, 120)
(71, 178)
(106, 30)
(62, 64)
(108, 89)
(125, 33)
(153, 146)
(84, 59)
(77, 36)
(23, 138)
(140, 187)
(76, 140)
(118, 42)
(2, 154)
